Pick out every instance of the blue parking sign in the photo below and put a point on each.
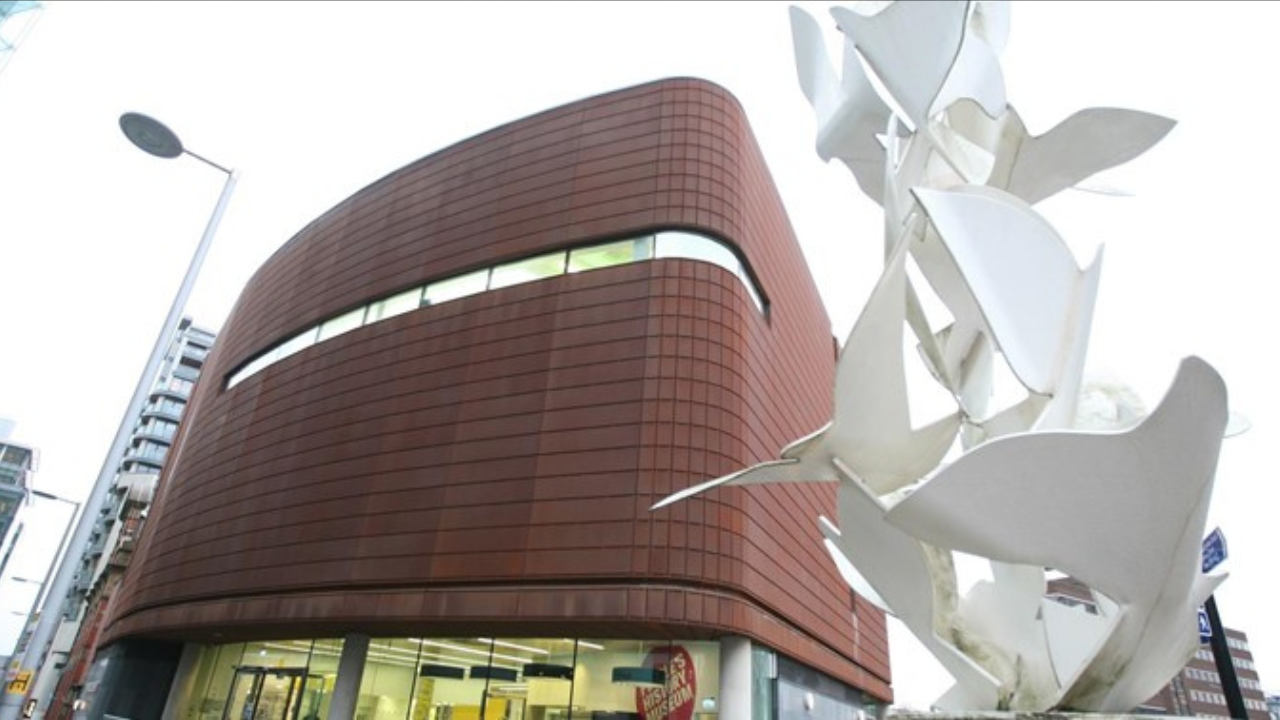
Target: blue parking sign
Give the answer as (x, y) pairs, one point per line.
(1213, 550)
(1206, 630)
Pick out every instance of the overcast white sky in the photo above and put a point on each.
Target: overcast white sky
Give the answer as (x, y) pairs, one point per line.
(313, 101)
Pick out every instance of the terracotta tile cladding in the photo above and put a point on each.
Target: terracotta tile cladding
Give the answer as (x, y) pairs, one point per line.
(493, 459)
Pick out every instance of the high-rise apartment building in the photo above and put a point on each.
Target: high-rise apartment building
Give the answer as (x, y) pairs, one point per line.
(115, 532)
(17, 462)
(416, 477)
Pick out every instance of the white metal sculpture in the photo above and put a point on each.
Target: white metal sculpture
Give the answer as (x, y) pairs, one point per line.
(919, 115)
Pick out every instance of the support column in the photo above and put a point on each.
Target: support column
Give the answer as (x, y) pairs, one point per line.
(346, 688)
(183, 681)
(735, 678)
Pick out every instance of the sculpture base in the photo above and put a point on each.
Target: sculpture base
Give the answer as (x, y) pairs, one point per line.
(906, 714)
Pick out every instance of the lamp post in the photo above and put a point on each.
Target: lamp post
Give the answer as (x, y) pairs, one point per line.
(155, 138)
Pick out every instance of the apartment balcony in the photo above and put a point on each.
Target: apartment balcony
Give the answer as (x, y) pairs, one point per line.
(123, 551)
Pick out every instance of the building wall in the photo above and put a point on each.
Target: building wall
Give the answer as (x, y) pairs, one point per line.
(489, 463)
(1199, 685)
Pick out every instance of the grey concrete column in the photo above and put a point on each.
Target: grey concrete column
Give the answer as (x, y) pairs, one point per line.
(735, 678)
(346, 689)
(184, 679)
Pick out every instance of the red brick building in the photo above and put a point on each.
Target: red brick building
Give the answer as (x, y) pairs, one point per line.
(416, 474)
(1197, 690)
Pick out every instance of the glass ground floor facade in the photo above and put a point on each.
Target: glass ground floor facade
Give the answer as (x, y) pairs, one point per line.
(458, 679)
(495, 678)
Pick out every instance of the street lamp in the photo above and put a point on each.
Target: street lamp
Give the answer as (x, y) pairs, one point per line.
(152, 136)
(155, 138)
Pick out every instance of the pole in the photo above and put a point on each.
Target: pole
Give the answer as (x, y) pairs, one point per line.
(1222, 659)
(34, 656)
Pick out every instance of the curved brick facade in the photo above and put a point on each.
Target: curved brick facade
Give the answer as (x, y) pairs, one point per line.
(489, 463)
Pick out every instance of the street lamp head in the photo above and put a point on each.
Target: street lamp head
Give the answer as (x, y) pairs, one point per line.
(151, 135)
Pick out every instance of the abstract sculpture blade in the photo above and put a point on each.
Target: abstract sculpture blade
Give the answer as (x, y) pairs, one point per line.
(919, 116)
(1002, 499)
(849, 113)
(916, 581)
(1025, 498)
(926, 55)
(1021, 275)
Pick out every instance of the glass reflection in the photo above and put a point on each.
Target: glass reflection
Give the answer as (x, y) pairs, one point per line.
(458, 678)
(527, 270)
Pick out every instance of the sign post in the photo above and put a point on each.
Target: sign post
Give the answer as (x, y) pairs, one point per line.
(1222, 660)
(1213, 552)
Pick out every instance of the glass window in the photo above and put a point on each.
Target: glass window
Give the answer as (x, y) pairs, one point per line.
(671, 244)
(616, 676)
(695, 247)
(534, 268)
(395, 305)
(252, 368)
(454, 674)
(14, 455)
(212, 685)
(322, 673)
(272, 681)
(608, 254)
(386, 687)
(345, 322)
(430, 679)
(150, 450)
(763, 673)
(159, 428)
(544, 682)
(301, 341)
(751, 288)
(457, 287)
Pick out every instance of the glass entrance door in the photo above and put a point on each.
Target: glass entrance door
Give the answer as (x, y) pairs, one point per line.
(259, 693)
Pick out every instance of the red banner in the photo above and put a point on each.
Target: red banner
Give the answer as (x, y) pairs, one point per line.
(675, 700)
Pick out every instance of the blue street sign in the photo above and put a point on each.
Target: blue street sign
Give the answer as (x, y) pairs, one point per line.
(1206, 630)
(1213, 550)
